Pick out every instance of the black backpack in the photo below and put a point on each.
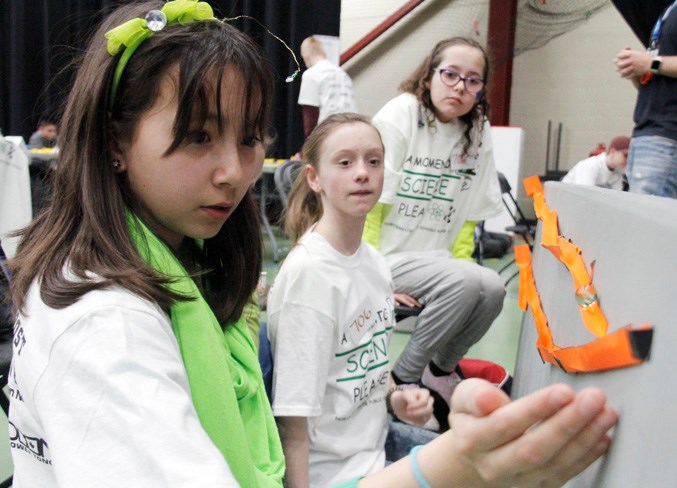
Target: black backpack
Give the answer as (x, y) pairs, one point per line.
(493, 245)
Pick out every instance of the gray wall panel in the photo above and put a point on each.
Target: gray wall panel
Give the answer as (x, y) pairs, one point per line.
(633, 239)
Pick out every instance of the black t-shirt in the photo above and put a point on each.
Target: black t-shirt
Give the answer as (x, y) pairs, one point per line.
(656, 109)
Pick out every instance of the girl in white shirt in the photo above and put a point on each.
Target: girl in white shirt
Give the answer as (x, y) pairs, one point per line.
(132, 365)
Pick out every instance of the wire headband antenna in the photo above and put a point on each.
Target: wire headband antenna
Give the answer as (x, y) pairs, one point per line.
(292, 76)
(132, 33)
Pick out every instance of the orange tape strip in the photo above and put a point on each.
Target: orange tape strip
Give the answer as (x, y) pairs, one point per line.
(570, 255)
(625, 347)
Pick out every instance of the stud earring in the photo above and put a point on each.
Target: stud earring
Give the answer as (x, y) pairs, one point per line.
(116, 164)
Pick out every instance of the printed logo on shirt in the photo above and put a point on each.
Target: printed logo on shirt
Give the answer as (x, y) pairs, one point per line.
(12, 388)
(429, 197)
(450, 164)
(34, 446)
(365, 366)
(425, 187)
(19, 337)
(466, 176)
(14, 393)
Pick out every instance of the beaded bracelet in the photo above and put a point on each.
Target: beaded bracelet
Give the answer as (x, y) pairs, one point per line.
(422, 482)
(389, 406)
(393, 389)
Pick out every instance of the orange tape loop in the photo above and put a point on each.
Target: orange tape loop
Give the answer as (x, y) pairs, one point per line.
(625, 347)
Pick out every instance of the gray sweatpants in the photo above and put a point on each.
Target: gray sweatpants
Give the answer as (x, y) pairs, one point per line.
(461, 300)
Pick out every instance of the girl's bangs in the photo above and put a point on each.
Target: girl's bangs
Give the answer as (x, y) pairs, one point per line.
(201, 93)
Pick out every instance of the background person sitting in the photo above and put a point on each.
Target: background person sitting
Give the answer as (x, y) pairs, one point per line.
(43, 160)
(605, 170)
(45, 136)
(439, 174)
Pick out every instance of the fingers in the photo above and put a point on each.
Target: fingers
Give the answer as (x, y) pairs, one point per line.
(414, 405)
(587, 446)
(580, 452)
(563, 434)
(624, 54)
(416, 395)
(485, 418)
(421, 414)
(407, 300)
(418, 400)
(630, 63)
(626, 63)
(477, 397)
(542, 439)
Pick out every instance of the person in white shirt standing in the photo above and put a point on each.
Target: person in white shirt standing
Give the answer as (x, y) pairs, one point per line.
(605, 170)
(325, 88)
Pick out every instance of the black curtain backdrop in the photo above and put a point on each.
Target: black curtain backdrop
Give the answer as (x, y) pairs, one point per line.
(641, 15)
(40, 39)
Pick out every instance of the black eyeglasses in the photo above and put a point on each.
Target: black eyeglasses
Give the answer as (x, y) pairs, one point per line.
(451, 78)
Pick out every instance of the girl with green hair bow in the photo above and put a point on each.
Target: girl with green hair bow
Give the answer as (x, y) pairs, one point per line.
(137, 368)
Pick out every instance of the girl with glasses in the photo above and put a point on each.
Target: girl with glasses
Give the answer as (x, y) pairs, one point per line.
(439, 174)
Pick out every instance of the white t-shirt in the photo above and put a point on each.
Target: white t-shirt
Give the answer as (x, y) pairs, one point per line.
(328, 87)
(100, 398)
(15, 191)
(593, 171)
(433, 190)
(330, 319)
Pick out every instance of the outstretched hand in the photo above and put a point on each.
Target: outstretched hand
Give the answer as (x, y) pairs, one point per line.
(543, 439)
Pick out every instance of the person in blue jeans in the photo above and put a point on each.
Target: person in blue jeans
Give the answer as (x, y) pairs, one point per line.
(652, 157)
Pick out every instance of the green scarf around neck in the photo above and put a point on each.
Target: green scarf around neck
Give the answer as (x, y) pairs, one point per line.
(223, 371)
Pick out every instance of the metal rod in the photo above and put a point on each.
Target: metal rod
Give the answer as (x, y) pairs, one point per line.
(547, 148)
(379, 29)
(559, 145)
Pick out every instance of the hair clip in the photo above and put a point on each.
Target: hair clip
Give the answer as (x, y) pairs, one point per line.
(133, 32)
(292, 76)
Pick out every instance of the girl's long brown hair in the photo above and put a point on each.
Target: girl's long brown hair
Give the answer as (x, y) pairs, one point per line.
(84, 226)
(417, 81)
(305, 207)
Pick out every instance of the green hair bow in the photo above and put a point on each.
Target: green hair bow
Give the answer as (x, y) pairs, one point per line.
(133, 32)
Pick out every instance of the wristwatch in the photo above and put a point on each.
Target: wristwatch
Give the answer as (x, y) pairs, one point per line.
(656, 65)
